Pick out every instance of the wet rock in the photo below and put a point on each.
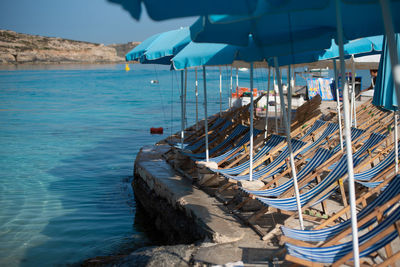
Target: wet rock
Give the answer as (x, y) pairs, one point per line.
(179, 255)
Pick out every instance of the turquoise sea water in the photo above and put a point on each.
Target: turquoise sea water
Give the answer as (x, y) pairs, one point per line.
(69, 136)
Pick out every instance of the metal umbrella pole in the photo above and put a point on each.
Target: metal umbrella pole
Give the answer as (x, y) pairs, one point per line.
(220, 92)
(396, 140)
(266, 113)
(251, 120)
(289, 96)
(184, 100)
(230, 89)
(276, 105)
(338, 104)
(205, 111)
(347, 131)
(197, 100)
(353, 92)
(289, 143)
(182, 116)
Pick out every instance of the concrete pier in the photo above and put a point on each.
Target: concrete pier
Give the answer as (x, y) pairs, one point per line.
(187, 214)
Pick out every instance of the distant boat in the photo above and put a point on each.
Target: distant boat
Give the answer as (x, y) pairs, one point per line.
(154, 81)
(243, 69)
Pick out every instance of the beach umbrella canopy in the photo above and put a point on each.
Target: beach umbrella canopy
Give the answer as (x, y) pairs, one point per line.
(385, 93)
(295, 27)
(165, 46)
(209, 54)
(358, 48)
(137, 52)
(167, 9)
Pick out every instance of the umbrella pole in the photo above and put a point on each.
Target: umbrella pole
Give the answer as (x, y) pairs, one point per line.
(276, 106)
(289, 96)
(230, 93)
(182, 116)
(396, 141)
(353, 92)
(390, 37)
(338, 104)
(289, 143)
(220, 92)
(349, 151)
(237, 81)
(251, 120)
(184, 99)
(205, 111)
(197, 100)
(266, 113)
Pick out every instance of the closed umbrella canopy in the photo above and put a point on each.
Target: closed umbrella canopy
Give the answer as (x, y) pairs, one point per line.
(137, 52)
(385, 93)
(167, 9)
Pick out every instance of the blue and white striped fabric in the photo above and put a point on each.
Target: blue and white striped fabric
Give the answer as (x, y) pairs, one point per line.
(355, 133)
(236, 132)
(334, 253)
(202, 141)
(236, 149)
(319, 157)
(391, 191)
(332, 127)
(339, 170)
(268, 146)
(317, 124)
(296, 145)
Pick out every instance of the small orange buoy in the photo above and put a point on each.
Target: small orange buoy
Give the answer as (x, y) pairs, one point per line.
(159, 130)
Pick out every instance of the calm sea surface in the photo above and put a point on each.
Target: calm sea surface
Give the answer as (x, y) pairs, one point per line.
(69, 136)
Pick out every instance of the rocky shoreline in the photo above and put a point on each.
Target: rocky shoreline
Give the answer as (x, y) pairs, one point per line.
(18, 48)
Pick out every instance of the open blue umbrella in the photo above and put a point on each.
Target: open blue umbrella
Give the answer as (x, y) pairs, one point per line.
(167, 9)
(293, 27)
(165, 46)
(359, 48)
(137, 52)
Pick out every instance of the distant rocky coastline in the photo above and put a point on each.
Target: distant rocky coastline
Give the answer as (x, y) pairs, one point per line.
(18, 48)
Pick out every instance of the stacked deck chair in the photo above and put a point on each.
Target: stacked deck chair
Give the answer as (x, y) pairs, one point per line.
(238, 148)
(222, 146)
(214, 133)
(383, 224)
(212, 124)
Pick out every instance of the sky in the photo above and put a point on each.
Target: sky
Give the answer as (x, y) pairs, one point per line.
(95, 21)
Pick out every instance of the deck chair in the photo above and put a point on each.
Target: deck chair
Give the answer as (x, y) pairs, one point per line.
(272, 143)
(316, 235)
(380, 236)
(339, 171)
(222, 146)
(238, 148)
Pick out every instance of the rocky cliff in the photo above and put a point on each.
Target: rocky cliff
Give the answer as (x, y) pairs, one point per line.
(24, 48)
